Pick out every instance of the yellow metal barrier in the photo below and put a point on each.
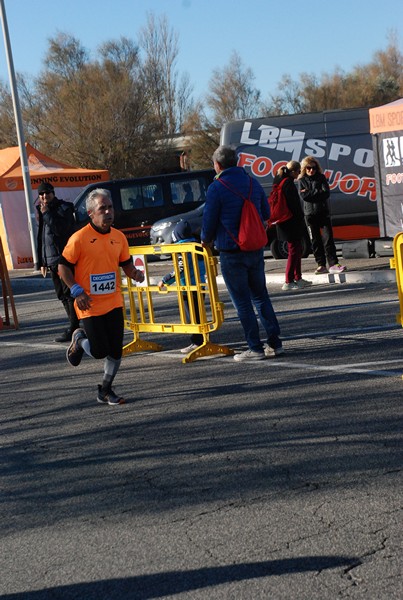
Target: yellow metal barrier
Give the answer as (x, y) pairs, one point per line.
(397, 263)
(141, 300)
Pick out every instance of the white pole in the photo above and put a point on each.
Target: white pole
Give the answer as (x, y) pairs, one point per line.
(32, 226)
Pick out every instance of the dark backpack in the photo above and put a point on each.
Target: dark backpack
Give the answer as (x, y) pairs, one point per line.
(279, 211)
(252, 233)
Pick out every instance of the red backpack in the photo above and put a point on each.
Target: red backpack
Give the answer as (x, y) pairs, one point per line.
(252, 233)
(279, 211)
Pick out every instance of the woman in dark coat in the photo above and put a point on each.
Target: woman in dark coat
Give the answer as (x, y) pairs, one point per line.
(314, 191)
(292, 231)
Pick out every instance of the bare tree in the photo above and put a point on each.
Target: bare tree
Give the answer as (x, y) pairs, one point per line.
(170, 97)
(95, 113)
(375, 83)
(232, 95)
(203, 135)
(8, 131)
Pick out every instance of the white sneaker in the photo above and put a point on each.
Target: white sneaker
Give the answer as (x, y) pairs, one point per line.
(290, 286)
(189, 348)
(272, 352)
(250, 356)
(303, 283)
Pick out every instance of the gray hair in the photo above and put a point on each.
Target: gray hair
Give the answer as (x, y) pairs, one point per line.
(97, 193)
(226, 156)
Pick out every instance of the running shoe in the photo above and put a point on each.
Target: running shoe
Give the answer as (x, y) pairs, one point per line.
(109, 397)
(338, 268)
(321, 270)
(302, 283)
(74, 352)
(189, 348)
(290, 286)
(249, 356)
(273, 352)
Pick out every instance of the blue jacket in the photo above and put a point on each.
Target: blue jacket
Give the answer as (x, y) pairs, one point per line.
(222, 212)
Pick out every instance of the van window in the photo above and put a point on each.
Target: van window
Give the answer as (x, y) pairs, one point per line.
(141, 196)
(188, 190)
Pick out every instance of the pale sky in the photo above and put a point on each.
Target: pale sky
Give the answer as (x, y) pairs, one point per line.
(272, 38)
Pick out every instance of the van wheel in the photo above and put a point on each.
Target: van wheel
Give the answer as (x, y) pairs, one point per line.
(280, 249)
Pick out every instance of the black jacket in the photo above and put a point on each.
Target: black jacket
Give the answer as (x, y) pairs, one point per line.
(314, 191)
(294, 228)
(54, 229)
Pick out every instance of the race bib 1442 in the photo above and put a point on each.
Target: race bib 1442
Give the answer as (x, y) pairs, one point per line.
(103, 283)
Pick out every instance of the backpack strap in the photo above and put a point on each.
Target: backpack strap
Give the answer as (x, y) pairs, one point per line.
(236, 191)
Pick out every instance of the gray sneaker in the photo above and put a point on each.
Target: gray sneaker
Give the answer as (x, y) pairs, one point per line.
(189, 349)
(249, 356)
(303, 283)
(273, 352)
(74, 352)
(290, 286)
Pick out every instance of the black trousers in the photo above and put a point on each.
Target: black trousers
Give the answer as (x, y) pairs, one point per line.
(63, 294)
(323, 246)
(105, 334)
(195, 338)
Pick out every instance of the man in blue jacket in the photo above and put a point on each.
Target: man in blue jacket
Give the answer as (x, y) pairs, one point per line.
(243, 272)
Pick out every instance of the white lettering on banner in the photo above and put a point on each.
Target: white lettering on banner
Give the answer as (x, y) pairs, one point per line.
(348, 183)
(364, 157)
(393, 178)
(291, 142)
(338, 150)
(102, 283)
(268, 136)
(245, 139)
(316, 148)
(294, 142)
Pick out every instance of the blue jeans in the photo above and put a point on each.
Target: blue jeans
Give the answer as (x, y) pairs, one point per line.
(244, 276)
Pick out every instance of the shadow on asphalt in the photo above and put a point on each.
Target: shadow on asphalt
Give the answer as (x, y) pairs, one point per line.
(159, 585)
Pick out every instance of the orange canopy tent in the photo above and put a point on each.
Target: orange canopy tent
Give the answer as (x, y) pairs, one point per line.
(67, 180)
(388, 117)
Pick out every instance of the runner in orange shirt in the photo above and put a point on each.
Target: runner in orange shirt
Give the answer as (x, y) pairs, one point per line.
(90, 267)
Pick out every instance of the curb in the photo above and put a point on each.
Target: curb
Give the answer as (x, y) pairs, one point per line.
(381, 276)
(331, 278)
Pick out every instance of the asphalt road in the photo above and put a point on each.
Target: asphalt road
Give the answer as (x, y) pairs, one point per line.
(217, 480)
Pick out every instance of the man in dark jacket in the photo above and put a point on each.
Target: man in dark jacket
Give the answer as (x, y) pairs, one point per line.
(243, 272)
(56, 224)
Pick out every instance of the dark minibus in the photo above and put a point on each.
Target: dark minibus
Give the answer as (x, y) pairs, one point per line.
(139, 202)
